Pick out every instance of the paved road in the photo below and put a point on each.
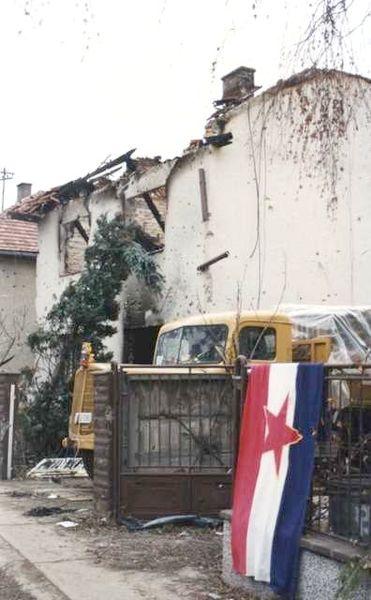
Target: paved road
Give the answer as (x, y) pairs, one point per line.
(50, 566)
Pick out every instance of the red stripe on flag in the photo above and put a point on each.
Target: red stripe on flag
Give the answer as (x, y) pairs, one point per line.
(248, 464)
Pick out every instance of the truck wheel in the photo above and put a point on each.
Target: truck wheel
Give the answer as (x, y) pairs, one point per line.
(88, 460)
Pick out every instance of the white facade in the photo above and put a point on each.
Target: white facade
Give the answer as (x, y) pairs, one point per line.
(50, 280)
(289, 199)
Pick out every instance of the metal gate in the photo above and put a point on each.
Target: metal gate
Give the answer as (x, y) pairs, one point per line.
(175, 443)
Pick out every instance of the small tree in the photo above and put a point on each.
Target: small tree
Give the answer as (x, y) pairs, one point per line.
(85, 311)
(11, 335)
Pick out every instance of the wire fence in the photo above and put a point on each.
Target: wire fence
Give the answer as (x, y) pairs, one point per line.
(340, 501)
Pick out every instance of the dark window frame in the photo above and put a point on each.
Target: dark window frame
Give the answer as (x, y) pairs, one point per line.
(263, 330)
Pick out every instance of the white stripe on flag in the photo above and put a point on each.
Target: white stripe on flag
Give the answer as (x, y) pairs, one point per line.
(269, 486)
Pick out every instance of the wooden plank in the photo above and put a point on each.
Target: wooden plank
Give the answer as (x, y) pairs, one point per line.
(154, 210)
(203, 192)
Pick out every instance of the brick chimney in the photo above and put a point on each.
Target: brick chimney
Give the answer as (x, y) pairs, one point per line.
(238, 84)
(23, 191)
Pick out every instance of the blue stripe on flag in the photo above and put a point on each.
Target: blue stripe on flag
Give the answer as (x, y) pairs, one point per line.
(290, 521)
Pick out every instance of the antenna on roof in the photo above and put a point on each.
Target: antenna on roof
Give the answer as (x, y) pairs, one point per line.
(5, 176)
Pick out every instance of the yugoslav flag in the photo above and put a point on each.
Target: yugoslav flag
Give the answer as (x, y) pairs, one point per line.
(274, 469)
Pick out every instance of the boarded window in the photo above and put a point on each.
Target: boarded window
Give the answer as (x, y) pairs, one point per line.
(75, 237)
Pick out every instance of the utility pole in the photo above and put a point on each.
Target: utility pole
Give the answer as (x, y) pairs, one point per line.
(4, 176)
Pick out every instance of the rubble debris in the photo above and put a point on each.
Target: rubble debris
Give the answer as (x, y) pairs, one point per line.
(58, 467)
(17, 494)
(47, 511)
(44, 511)
(193, 146)
(36, 206)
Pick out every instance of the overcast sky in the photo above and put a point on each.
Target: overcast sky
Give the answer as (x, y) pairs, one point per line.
(86, 79)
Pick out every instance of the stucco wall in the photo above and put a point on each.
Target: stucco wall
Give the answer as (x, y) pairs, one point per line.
(289, 199)
(17, 307)
(50, 279)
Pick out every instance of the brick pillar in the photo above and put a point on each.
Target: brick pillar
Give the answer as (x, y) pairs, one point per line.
(103, 443)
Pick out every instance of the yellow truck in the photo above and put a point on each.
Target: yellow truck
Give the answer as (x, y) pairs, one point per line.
(209, 342)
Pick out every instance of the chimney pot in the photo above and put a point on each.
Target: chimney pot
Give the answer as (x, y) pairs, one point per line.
(23, 191)
(238, 83)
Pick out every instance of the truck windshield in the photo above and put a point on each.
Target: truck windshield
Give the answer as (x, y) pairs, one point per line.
(192, 344)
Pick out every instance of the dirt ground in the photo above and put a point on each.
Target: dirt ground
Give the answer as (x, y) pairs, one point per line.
(10, 589)
(190, 555)
(194, 554)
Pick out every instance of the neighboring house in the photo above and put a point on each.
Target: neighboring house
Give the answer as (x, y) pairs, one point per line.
(18, 252)
(66, 218)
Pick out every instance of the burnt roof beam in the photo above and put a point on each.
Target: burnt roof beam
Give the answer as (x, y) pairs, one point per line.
(154, 210)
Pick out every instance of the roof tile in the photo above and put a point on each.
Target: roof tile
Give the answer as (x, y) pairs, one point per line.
(17, 236)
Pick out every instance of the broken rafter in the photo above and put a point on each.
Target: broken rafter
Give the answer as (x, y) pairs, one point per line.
(97, 177)
(154, 210)
(113, 163)
(81, 230)
(35, 207)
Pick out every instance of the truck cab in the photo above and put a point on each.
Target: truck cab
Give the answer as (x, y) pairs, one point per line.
(220, 337)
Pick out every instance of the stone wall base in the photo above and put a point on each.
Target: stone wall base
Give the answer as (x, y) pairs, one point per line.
(319, 576)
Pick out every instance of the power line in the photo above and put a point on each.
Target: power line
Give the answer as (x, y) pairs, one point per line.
(5, 176)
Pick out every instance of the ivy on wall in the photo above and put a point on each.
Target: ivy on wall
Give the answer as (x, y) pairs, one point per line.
(85, 311)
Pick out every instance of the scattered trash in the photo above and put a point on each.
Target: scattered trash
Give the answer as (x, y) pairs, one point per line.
(57, 468)
(44, 511)
(136, 525)
(52, 496)
(47, 511)
(67, 524)
(213, 596)
(16, 494)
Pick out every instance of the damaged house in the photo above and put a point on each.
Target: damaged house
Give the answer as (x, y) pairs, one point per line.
(272, 205)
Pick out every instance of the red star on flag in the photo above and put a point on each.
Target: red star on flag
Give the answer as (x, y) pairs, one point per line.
(279, 434)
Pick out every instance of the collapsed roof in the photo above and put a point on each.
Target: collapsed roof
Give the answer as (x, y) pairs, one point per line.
(35, 207)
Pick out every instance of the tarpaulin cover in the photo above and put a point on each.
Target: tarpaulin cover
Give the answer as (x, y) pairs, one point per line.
(349, 329)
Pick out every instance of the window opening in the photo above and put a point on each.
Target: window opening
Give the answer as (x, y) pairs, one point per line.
(258, 343)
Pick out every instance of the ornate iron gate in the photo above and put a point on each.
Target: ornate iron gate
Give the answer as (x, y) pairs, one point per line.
(176, 439)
